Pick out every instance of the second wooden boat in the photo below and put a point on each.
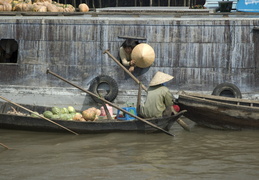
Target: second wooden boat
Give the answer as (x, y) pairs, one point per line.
(219, 112)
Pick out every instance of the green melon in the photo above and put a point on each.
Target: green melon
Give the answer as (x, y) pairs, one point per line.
(48, 114)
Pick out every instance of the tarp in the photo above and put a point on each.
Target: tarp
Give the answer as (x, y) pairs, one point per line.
(248, 5)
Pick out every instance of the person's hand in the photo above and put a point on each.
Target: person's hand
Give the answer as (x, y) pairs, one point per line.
(131, 69)
(132, 62)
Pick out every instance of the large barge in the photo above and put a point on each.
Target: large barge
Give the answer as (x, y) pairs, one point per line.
(199, 48)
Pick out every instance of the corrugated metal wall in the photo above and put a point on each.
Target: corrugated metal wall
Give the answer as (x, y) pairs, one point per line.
(200, 53)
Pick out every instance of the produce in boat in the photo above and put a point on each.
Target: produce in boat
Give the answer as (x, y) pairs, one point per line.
(65, 116)
(78, 117)
(4, 6)
(48, 114)
(70, 113)
(55, 110)
(71, 109)
(83, 7)
(91, 114)
(38, 6)
(56, 116)
(98, 112)
(34, 114)
(64, 111)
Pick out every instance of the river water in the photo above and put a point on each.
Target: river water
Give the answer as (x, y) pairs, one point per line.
(199, 154)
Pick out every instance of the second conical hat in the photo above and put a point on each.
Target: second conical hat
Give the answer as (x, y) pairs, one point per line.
(143, 54)
(160, 78)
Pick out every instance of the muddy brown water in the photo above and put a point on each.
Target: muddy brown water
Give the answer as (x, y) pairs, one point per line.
(199, 154)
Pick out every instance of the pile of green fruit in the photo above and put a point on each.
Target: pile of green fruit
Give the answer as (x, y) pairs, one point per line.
(69, 113)
(61, 113)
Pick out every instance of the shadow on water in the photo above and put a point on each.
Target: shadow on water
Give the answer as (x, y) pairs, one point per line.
(199, 154)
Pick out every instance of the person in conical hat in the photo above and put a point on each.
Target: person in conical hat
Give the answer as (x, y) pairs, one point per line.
(125, 53)
(144, 55)
(159, 99)
(160, 78)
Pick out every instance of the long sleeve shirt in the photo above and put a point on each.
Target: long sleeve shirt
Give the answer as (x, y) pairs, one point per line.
(158, 99)
(125, 58)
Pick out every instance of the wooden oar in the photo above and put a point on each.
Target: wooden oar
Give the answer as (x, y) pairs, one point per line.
(107, 112)
(38, 115)
(125, 69)
(179, 121)
(139, 98)
(111, 104)
(4, 146)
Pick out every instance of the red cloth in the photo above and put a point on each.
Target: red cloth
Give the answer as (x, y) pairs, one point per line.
(176, 108)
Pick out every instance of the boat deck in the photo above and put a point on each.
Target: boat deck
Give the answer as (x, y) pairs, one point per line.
(146, 12)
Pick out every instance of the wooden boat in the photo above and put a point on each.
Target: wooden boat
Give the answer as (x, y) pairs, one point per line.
(12, 121)
(220, 112)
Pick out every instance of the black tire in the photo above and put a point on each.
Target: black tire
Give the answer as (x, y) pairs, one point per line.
(112, 92)
(227, 90)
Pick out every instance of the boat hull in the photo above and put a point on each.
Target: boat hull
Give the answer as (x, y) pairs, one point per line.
(10, 121)
(220, 112)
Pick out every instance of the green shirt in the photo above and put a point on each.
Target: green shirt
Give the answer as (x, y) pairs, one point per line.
(158, 99)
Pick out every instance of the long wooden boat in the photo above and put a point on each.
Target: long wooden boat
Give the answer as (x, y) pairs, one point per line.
(220, 112)
(13, 121)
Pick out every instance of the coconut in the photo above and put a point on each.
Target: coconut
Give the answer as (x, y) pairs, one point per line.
(83, 7)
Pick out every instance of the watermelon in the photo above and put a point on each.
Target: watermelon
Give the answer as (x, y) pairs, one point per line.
(71, 109)
(48, 114)
(55, 110)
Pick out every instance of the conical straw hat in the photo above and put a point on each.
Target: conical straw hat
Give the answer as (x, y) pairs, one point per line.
(160, 78)
(143, 54)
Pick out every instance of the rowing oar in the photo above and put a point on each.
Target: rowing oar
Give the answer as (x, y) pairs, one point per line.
(179, 121)
(108, 102)
(125, 69)
(4, 146)
(38, 115)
